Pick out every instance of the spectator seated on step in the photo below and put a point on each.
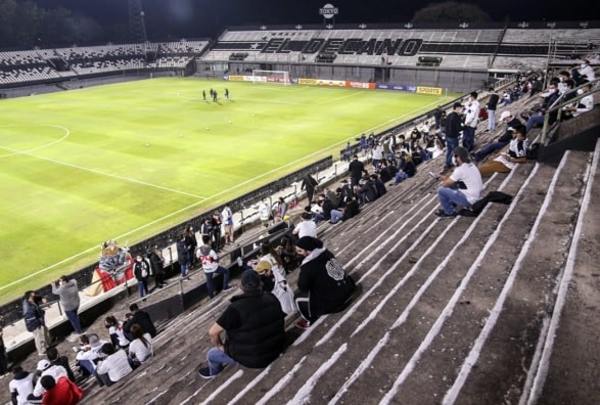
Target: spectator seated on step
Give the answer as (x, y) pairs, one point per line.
(511, 123)
(586, 104)
(89, 353)
(44, 368)
(254, 328)
(58, 360)
(462, 188)
(324, 287)
(273, 281)
(114, 367)
(61, 391)
(142, 318)
(21, 386)
(505, 162)
(140, 348)
(535, 118)
(116, 332)
(306, 227)
(407, 168)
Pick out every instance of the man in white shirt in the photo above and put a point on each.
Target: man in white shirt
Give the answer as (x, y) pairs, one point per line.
(307, 227)
(471, 121)
(115, 366)
(584, 105)
(586, 70)
(210, 265)
(46, 368)
(451, 199)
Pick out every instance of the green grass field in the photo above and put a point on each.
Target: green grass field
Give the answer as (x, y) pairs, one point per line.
(127, 160)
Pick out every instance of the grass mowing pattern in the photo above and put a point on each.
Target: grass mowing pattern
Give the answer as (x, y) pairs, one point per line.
(128, 160)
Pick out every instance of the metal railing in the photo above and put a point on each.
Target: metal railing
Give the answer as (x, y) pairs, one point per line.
(558, 107)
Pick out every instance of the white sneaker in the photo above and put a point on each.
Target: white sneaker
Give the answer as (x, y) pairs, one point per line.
(73, 337)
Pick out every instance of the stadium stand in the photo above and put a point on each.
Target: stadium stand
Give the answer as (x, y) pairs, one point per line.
(25, 67)
(451, 310)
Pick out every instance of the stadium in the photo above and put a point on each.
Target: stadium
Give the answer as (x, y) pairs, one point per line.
(297, 212)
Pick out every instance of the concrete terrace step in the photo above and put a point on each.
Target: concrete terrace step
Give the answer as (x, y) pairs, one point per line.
(495, 370)
(327, 336)
(573, 369)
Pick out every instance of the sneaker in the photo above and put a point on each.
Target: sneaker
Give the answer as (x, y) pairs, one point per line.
(302, 324)
(441, 213)
(205, 373)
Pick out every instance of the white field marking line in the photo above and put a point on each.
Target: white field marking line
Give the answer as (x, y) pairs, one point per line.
(303, 394)
(473, 356)
(99, 172)
(188, 399)
(281, 383)
(542, 372)
(336, 99)
(223, 386)
(67, 133)
(361, 368)
(174, 213)
(366, 274)
(449, 308)
(381, 279)
(250, 385)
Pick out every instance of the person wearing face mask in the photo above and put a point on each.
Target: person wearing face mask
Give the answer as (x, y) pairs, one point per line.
(34, 320)
(466, 173)
(505, 162)
(586, 103)
(453, 128)
(68, 295)
(586, 71)
(471, 121)
(550, 96)
(141, 271)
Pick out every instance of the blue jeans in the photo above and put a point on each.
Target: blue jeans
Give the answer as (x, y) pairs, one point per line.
(491, 120)
(336, 216)
(489, 149)
(451, 144)
(210, 287)
(468, 140)
(183, 268)
(74, 320)
(450, 199)
(534, 121)
(217, 360)
(143, 287)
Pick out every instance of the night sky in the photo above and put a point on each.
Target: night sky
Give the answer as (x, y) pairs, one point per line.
(200, 18)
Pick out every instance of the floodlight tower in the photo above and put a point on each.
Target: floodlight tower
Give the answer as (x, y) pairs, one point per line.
(137, 25)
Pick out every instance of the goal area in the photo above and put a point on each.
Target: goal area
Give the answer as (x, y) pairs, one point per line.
(271, 76)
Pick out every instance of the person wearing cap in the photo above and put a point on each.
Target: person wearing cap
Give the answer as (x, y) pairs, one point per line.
(505, 162)
(323, 283)
(141, 271)
(466, 174)
(60, 391)
(44, 368)
(453, 128)
(273, 281)
(511, 123)
(254, 325)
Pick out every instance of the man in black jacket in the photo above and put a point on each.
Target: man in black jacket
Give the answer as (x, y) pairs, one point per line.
(141, 272)
(356, 169)
(254, 323)
(324, 285)
(491, 108)
(34, 320)
(453, 127)
(158, 267)
(142, 318)
(310, 184)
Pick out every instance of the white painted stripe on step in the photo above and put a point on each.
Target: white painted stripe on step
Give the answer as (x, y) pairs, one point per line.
(348, 245)
(238, 374)
(250, 385)
(380, 281)
(303, 394)
(160, 394)
(449, 308)
(188, 399)
(540, 378)
(362, 367)
(473, 356)
(535, 362)
(281, 383)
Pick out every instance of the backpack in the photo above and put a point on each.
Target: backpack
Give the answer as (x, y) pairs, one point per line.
(533, 151)
(492, 196)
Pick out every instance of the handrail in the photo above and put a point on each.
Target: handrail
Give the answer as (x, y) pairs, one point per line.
(559, 107)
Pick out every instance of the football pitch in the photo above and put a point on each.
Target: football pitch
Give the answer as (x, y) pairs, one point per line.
(125, 161)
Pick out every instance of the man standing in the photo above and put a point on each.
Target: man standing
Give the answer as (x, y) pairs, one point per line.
(227, 220)
(34, 320)
(356, 169)
(491, 108)
(183, 257)
(451, 199)
(226, 93)
(453, 128)
(204, 95)
(255, 327)
(210, 264)
(3, 359)
(141, 271)
(471, 120)
(68, 294)
(158, 267)
(310, 184)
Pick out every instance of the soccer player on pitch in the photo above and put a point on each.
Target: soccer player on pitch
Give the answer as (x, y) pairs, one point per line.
(204, 95)
(226, 93)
